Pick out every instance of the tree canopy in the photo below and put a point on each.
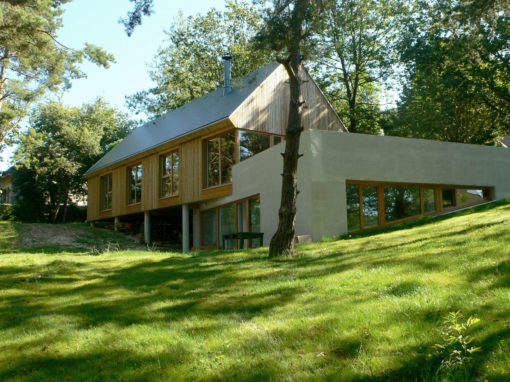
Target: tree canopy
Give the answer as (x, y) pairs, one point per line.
(457, 86)
(62, 143)
(32, 60)
(189, 66)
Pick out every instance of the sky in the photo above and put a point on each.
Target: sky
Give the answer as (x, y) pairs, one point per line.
(97, 22)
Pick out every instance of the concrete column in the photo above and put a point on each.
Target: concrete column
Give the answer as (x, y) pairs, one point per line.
(116, 222)
(147, 227)
(185, 227)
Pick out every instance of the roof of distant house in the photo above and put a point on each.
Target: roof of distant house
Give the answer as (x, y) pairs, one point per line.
(9, 171)
(506, 141)
(204, 111)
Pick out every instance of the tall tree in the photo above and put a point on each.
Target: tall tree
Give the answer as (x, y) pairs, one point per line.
(289, 26)
(32, 59)
(355, 57)
(189, 66)
(458, 83)
(60, 146)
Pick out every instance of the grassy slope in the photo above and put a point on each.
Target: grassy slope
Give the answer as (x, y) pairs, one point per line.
(362, 309)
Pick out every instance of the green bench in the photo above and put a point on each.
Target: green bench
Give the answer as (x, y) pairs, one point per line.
(242, 236)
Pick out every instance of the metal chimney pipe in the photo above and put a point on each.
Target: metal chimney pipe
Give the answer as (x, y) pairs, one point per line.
(227, 74)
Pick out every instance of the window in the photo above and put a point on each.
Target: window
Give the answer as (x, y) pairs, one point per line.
(170, 174)
(401, 202)
(353, 208)
(106, 192)
(220, 158)
(466, 197)
(448, 197)
(227, 221)
(135, 184)
(240, 216)
(209, 228)
(251, 143)
(429, 200)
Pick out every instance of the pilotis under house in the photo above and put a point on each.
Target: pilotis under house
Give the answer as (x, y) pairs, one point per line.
(212, 168)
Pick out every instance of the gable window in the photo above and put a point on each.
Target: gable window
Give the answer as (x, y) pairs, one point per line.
(220, 158)
(106, 192)
(170, 174)
(135, 184)
(251, 143)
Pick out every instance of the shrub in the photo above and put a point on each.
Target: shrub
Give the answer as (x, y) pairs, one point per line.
(456, 350)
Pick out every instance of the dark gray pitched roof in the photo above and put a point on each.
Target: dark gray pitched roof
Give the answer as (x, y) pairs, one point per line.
(210, 108)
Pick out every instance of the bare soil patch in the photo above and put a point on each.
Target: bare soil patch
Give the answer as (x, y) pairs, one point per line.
(38, 235)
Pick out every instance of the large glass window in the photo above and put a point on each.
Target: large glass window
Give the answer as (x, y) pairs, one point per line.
(135, 184)
(448, 197)
(429, 200)
(106, 192)
(209, 228)
(227, 222)
(370, 206)
(404, 201)
(353, 211)
(170, 174)
(254, 215)
(241, 216)
(251, 143)
(466, 196)
(220, 158)
(401, 202)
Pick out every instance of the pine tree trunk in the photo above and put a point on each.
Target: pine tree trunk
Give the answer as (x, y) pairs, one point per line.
(282, 243)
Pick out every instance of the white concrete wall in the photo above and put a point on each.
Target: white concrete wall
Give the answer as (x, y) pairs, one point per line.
(260, 174)
(340, 157)
(330, 158)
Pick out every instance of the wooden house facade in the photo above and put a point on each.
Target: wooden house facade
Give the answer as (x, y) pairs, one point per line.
(176, 165)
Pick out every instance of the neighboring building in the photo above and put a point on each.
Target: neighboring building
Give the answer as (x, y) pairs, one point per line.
(6, 192)
(212, 167)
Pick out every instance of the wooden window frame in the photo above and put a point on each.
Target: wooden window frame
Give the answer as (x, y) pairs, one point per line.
(438, 200)
(237, 148)
(128, 174)
(162, 177)
(102, 191)
(235, 160)
(238, 141)
(217, 208)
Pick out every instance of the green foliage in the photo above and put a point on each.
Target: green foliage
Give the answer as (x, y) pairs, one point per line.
(54, 154)
(354, 57)
(32, 60)
(6, 212)
(190, 66)
(458, 73)
(456, 350)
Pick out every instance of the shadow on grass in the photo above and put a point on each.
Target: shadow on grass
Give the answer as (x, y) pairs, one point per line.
(216, 289)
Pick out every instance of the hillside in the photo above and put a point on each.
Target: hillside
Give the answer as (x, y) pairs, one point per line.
(366, 308)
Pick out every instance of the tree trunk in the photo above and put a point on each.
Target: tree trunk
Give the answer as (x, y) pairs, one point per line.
(282, 242)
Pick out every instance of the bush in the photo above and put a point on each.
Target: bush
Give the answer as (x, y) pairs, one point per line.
(6, 212)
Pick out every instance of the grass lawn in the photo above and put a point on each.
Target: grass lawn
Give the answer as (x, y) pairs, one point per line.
(368, 308)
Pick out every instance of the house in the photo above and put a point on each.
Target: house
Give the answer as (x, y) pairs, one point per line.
(212, 167)
(6, 192)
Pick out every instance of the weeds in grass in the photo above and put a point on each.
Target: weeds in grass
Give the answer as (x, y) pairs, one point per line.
(106, 249)
(456, 350)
